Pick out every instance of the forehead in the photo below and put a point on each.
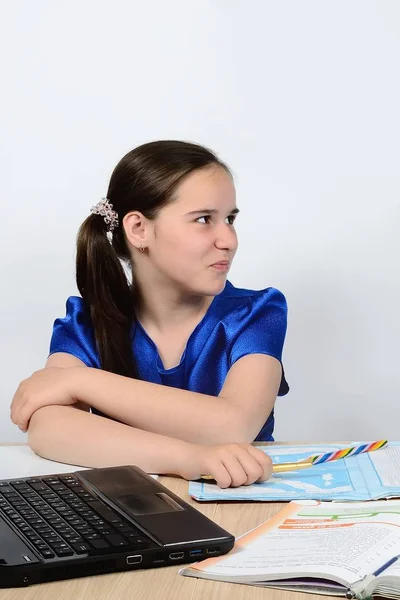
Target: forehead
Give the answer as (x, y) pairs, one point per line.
(211, 188)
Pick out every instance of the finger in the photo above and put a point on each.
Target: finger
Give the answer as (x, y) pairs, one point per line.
(20, 422)
(235, 469)
(23, 413)
(18, 402)
(221, 475)
(252, 468)
(264, 461)
(14, 405)
(16, 411)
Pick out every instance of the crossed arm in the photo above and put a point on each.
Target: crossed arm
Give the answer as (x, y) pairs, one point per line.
(237, 415)
(161, 429)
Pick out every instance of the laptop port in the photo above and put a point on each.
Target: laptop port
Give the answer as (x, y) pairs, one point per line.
(176, 555)
(211, 551)
(197, 552)
(135, 559)
(159, 558)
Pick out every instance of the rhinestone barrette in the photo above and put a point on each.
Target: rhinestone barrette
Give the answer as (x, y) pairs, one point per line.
(104, 208)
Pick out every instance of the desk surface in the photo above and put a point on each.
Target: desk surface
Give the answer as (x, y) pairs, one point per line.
(164, 582)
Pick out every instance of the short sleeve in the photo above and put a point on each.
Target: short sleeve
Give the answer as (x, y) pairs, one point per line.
(263, 329)
(74, 333)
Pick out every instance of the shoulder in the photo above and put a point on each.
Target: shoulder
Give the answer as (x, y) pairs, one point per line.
(74, 333)
(76, 309)
(256, 321)
(77, 318)
(252, 301)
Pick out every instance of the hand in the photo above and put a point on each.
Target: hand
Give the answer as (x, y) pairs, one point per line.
(229, 464)
(44, 388)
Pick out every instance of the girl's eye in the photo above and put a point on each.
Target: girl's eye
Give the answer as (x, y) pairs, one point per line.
(207, 219)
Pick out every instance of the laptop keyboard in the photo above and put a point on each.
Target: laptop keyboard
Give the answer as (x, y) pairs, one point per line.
(61, 518)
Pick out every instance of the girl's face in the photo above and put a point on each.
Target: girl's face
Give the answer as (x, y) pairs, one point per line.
(193, 240)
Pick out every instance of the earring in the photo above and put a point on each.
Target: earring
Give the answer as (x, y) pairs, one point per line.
(141, 248)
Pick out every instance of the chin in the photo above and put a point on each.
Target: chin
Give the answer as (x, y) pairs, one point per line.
(207, 287)
(215, 288)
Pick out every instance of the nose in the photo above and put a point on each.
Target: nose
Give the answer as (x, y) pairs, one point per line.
(226, 238)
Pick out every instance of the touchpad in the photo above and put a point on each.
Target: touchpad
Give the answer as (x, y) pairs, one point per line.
(148, 504)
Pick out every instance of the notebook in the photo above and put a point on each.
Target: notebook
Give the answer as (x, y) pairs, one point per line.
(339, 549)
(366, 476)
(97, 521)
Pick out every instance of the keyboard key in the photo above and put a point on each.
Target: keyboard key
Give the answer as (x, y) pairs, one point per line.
(91, 536)
(74, 539)
(100, 544)
(104, 529)
(63, 551)
(59, 545)
(42, 546)
(54, 541)
(39, 487)
(138, 543)
(82, 547)
(126, 528)
(116, 540)
(43, 529)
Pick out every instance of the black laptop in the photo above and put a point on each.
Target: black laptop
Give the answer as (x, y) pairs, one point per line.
(97, 521)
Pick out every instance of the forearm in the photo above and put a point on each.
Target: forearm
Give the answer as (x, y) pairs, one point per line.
(173, 412)
(65, 434)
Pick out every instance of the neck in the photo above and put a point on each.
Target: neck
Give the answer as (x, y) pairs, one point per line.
(165, 308)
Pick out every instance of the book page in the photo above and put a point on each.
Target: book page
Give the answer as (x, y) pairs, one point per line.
(387, 466)
(360, 477)
(344, 542)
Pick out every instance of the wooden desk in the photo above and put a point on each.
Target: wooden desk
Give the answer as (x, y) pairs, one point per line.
(163, 583)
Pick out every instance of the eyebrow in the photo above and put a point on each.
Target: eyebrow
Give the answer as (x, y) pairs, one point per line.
(211, 211)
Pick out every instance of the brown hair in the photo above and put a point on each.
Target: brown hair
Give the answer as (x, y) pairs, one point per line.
(144, 180)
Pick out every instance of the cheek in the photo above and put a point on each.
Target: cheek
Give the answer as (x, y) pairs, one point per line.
(180, 242)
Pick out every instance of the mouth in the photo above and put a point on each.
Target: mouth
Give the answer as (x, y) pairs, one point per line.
(222, 265)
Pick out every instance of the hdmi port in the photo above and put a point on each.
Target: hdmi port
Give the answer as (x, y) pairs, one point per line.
(176, 555)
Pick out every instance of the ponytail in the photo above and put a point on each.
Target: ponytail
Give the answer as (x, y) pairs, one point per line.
(104, 287)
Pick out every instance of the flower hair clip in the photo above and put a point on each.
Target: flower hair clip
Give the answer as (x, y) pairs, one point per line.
(104, 208)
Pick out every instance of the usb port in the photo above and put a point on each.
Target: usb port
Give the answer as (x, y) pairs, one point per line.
(135, 559)
(197, 552)
(176, 555)
(213, 550)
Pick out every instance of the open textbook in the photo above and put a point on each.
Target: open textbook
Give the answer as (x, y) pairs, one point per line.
(368, 476)
(339, 549)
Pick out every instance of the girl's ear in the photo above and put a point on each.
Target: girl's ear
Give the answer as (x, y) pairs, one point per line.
(135, 226)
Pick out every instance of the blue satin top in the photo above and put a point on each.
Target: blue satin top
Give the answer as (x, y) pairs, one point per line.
(238, 322)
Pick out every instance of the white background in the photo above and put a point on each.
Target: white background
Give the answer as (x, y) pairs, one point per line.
(300, 97)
